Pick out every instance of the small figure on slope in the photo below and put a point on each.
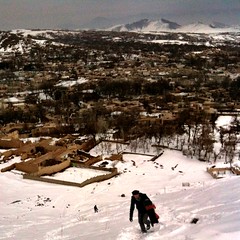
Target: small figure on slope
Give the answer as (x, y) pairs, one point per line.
(95, 209)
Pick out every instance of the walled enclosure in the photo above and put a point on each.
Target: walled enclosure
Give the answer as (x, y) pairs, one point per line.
(214, 171)
(43, 158)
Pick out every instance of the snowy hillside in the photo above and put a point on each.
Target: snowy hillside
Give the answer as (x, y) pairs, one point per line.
(164, 31)
(43, 211)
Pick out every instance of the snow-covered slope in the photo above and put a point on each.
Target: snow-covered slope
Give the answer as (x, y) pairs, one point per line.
(42, 211)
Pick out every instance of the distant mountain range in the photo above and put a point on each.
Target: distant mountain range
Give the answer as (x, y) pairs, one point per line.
(21, 40)
(163, 25)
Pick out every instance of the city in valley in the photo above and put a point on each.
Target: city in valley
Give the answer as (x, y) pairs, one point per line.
(110, 85)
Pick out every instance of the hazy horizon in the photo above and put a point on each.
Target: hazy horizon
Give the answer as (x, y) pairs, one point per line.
(71, 14)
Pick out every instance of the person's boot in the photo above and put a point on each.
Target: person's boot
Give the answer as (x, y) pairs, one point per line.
(148, 226)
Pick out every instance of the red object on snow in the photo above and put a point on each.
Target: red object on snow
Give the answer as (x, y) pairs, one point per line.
(152, 206)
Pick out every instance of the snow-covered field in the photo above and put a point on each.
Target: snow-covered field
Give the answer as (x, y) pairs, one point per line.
(44, 211)
(179, 186)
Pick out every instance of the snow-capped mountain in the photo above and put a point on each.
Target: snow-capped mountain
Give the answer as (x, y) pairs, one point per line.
(200, 27)
(163, 25)
(147, 25)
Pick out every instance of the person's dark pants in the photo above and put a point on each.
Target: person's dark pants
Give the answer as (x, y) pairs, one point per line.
(143, 219)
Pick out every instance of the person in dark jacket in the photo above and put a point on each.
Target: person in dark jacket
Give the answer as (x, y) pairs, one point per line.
(139, 200)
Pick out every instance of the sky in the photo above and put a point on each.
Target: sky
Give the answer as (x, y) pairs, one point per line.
(32, 210)
(72, 14)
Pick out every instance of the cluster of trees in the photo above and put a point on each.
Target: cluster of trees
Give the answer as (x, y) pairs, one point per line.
(129, 88)
(196, 130)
